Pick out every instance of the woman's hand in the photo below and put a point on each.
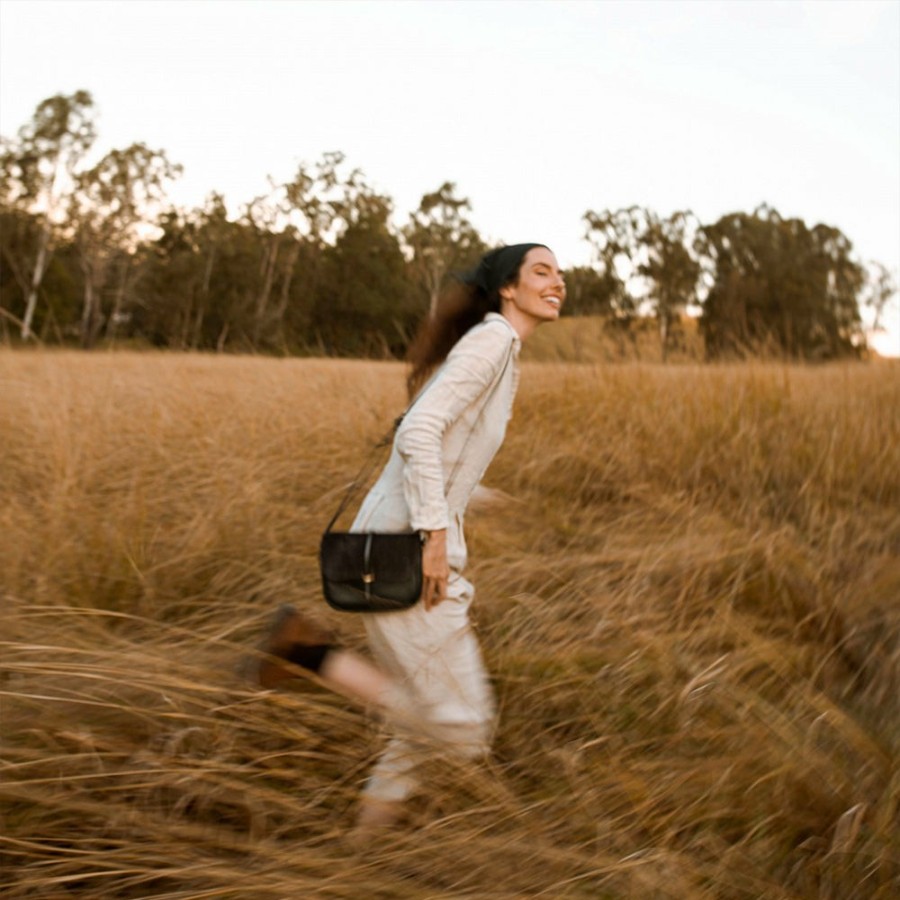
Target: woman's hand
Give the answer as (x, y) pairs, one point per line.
(435, 569)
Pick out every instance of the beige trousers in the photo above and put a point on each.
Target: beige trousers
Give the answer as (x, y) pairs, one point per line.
(443, 694)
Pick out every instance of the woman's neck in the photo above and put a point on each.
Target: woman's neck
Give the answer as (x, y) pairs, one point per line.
(522, 323)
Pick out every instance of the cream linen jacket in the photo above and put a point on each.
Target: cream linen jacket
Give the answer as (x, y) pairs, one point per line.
(447, 439)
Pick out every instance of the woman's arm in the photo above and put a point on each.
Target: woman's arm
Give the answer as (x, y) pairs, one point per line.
(467, 373)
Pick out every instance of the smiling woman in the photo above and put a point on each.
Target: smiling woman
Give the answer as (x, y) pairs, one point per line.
(533, 292)
(429, 678)
(538, 294)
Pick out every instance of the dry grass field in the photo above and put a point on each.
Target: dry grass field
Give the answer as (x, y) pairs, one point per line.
(591, 339)
(689, 603)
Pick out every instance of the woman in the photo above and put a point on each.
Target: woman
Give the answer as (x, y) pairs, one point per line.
(429, 678)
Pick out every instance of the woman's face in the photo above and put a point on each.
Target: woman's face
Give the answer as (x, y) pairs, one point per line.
(540, 291)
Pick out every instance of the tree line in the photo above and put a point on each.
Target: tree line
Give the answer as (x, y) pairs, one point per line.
(96, 253)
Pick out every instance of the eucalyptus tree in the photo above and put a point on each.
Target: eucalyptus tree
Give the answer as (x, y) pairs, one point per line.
(218, 294)
(597, 292)
(364, 305)
(881, 287)
(656, 253)
(441, 239)
(277, 249)
(114, 201)
(354, 291)
(292, 227)
(38, 180)
(779, 285)
(20, 234)
(186, 280)
(217, 243)
(201, 277)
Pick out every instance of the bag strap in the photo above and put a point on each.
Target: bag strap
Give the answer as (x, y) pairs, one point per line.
(366, 469)
(369, 464)
(364, 472)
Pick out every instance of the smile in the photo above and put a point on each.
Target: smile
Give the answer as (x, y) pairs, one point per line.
(554, 300)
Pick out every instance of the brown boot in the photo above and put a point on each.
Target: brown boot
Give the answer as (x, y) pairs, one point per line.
(295, 639)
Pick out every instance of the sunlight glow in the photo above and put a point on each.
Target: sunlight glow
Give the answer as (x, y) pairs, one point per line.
(885, 343)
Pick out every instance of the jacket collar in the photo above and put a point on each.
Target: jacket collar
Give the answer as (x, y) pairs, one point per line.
(495, 316)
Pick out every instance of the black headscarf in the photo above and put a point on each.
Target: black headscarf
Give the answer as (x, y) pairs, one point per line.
(497, 268)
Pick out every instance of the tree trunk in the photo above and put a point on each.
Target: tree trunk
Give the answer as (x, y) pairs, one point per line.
(198, 330)
(112, 324)
(664, 334)
(223, 336)
(52, 321)
(87, 312)
(262, 300)
(291, 264)
(91, 316)
(38, 276)
(196, 339)
(186, 316)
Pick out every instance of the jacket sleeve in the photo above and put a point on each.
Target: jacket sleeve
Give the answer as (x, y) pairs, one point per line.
(472, 366)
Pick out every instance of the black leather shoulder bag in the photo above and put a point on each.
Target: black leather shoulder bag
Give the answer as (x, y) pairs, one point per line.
(370, 571)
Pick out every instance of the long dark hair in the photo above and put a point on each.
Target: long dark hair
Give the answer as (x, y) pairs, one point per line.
(466, 300)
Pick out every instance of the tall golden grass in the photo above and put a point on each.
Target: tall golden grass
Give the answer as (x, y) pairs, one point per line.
(688, 602)
(595, 339)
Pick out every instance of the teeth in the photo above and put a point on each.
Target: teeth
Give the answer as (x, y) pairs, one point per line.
(553, 300)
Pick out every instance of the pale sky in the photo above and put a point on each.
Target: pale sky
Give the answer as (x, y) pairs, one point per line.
(537, 110)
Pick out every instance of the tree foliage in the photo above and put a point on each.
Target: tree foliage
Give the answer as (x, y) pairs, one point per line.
(441, 239)
(881, 288)
(111, 201)
(93, 250)
(654, 252)
(780, 285)
(37, 178)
